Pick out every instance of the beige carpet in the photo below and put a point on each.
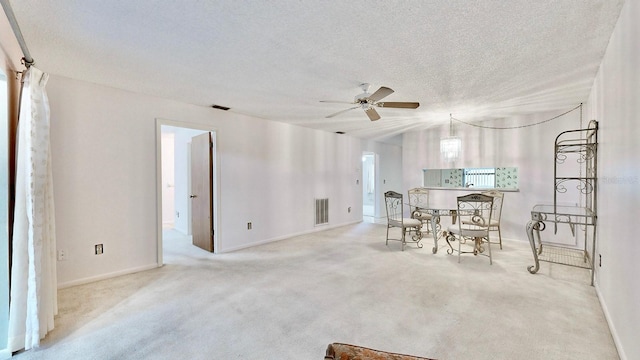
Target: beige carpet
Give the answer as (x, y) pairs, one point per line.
(290, 299)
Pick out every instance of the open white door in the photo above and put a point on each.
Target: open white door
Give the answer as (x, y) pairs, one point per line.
(201, 191)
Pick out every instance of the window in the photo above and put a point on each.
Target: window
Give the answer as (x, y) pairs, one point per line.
(505, 178)
(479, 178)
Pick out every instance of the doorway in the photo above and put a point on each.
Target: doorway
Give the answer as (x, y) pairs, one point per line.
(369, 198)
(174, 182)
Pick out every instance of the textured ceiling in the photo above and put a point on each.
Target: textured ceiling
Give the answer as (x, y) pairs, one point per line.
(277, 59)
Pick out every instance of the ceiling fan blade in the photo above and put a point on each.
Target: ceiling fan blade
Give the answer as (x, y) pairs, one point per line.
(336, 102)
(341, 111)
(380, 93)
(402, 105)
(372, 114)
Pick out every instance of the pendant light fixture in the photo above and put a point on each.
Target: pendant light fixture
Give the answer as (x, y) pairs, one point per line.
(450, 146)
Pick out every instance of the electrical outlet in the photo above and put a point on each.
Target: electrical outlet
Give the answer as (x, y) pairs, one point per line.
(177, 214)
(600, 260)
(62, 255)
(99, 249)
(349, 209)
(249, 226)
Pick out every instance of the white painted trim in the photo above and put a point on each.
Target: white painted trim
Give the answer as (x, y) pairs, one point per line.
(216, 179)
(91, 279)
(278, 238)
(612, 328)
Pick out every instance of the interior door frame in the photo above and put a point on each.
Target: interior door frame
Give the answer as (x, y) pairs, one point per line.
(216, 178)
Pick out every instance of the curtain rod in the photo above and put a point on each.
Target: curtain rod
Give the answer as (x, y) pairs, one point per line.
(27, 59)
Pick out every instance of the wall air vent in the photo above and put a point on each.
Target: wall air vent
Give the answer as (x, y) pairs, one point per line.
(322, 211)
(220, 107)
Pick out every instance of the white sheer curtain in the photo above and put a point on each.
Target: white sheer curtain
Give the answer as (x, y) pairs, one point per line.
(33, 274)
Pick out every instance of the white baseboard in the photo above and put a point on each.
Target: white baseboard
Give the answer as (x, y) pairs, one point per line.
(105, 276)
(153, 266)
(267, 241)
(612, 329)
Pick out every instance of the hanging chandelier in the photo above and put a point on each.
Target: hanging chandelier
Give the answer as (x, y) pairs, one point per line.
(450, 146)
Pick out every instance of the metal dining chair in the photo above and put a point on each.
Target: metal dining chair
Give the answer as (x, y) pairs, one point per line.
(474, 212)
(419, 199)
(395, 218)
(498, 198)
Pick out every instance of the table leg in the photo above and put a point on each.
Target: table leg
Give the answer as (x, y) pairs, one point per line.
(531, 226)
(435, 223)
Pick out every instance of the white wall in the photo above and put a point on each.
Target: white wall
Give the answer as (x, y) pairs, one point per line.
(530, 149)
(615, 101)
(104, 159)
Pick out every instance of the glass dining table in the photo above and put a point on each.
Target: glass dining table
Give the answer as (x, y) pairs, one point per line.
(436, 229)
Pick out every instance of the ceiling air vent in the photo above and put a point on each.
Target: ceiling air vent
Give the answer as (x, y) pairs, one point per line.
(220, 107)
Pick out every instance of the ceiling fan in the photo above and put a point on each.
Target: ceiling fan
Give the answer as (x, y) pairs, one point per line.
(368, 102)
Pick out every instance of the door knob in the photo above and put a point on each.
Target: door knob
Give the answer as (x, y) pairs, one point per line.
(192, 196)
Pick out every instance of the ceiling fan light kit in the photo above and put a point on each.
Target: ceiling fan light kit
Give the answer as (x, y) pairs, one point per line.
(367, 102)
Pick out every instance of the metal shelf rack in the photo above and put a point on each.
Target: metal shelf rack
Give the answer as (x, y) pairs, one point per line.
(581, 144)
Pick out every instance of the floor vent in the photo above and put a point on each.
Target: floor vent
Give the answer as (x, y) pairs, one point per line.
(322, 211)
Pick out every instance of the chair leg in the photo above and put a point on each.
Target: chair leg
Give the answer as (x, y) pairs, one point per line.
(459, 248)
(489, 247)
(387, 242)
(500, 237)
(404, 231)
